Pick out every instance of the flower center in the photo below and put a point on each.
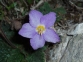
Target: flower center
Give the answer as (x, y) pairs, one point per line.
(40, 29)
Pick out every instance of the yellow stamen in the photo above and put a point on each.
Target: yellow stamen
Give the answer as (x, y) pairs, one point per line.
(40, 29)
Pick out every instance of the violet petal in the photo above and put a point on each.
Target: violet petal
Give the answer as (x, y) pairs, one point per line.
(37, 42)
(34, 17)
(27, 31)
(51, 36)
(48, 19)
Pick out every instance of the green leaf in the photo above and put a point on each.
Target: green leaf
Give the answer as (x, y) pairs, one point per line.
(45, 8)
(29, 1)
(59, 18)
(37, 1)
(15, 56)
(1, 15)
(7, 30)
(11, 5)
(60, 10)
(37, 56)
(7, 54)
(4, 51)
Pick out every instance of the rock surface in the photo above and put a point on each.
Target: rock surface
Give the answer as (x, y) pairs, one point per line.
(70, 49)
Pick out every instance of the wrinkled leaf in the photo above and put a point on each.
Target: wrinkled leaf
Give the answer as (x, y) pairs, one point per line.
(60, 10)
(37, 56)
(8, 54)
(4, 51)
(45, 8)
(15, 56)
(1, 15)
(30, 1)
(12, 6)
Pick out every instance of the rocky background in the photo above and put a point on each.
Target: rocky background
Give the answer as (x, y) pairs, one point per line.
(70, 48)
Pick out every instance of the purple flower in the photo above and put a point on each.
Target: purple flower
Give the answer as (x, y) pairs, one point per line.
(38, 29)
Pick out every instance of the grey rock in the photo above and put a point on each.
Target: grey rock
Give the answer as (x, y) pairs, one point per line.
(70, 48)
(74, 51)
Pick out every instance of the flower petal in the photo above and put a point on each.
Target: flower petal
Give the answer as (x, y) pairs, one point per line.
(51, 36)
(34, 17)
(37, 42)
(27, 31)
(48, 19)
